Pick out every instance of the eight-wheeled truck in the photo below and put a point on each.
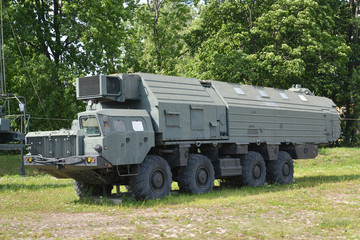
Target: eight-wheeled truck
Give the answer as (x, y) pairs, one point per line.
(146, 131)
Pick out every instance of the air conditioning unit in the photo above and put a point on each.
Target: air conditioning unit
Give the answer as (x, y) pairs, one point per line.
(109, 87)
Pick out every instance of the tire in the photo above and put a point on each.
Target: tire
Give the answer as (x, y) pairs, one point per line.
(154, 179)
(281, 170)
(90, 190)
(253, 169)
(198, 176)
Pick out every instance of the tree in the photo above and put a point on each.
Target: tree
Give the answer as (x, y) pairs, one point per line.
(288, 42)
(221, 41)
(161, 26)
(51, 42)
(348, 23)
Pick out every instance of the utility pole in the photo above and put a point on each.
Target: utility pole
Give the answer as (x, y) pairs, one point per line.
(22, 112)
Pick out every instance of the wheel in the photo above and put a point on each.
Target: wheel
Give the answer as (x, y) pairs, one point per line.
(89, 190)
(198, 176)
(281, 170)
(253, 169)
(154, 179)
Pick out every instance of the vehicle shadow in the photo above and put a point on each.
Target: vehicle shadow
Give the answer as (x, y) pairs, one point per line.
(176, 197)
(31, 187)
(320, 179)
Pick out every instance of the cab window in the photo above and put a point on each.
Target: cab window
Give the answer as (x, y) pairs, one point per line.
(138, 125)
(119, 125)
(90, 125)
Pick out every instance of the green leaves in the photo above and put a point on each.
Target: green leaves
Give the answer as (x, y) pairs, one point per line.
(274, 43)
(162, 32)
(288, 43)
(62, 40)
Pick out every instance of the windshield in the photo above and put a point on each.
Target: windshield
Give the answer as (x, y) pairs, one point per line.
(90, 125)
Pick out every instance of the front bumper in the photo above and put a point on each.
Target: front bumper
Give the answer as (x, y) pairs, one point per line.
(76, 167)
(75, 161)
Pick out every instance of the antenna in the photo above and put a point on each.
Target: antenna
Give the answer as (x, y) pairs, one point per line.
(2, 53)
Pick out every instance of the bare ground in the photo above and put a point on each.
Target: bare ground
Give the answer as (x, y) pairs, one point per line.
(321, 214)
(186, 223)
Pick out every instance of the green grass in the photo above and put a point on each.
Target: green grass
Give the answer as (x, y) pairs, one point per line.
(322, 203)
(10, 164)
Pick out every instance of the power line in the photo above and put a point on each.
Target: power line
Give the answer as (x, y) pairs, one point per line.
(349, 119)
(52, 119)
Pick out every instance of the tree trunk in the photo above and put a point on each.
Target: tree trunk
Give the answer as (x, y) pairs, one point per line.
(156, 5)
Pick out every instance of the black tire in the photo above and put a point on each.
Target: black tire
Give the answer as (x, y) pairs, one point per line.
(154, 179)
(198, 176)
(281, 170)
(90, 190)
(253, 169)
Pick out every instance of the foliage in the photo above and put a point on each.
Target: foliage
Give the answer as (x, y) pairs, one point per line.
(50, 43)
(161, 26)
(274, 43)
(287, 42)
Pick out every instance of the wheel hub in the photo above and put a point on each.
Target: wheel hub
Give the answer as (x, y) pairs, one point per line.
(202, 176)
(286, 170)
(157, 180)
(257, 171)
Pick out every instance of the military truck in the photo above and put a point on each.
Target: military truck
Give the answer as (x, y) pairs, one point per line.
(9, 140)
(146, 131)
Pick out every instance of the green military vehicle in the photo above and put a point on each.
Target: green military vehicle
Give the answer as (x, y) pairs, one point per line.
(146, 131)
(9, 140)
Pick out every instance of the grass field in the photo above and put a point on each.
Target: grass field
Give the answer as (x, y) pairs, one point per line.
(322, 203)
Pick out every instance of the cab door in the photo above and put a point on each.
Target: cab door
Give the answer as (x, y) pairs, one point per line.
(138, 139)
(114, 149)
(129, 141)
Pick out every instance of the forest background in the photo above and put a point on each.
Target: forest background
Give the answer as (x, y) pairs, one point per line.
(275, 43)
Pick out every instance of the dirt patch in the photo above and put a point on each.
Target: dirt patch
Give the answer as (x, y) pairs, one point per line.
(303, 217)
(143, 222)
(224, 223)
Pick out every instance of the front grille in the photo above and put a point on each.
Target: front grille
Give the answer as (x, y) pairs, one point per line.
(89, 86)
(59, 146)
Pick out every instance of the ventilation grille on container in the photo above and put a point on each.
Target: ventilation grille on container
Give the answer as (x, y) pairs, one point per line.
(89, 86)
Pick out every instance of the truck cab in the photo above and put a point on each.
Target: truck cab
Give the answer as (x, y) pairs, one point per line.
(120, 136)
(89, 152)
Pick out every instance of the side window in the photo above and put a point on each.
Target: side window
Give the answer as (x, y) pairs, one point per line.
(137, 125)
(106, 124)
(119, 125)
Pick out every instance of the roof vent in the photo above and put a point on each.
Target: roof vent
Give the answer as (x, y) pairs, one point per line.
(298, 89)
